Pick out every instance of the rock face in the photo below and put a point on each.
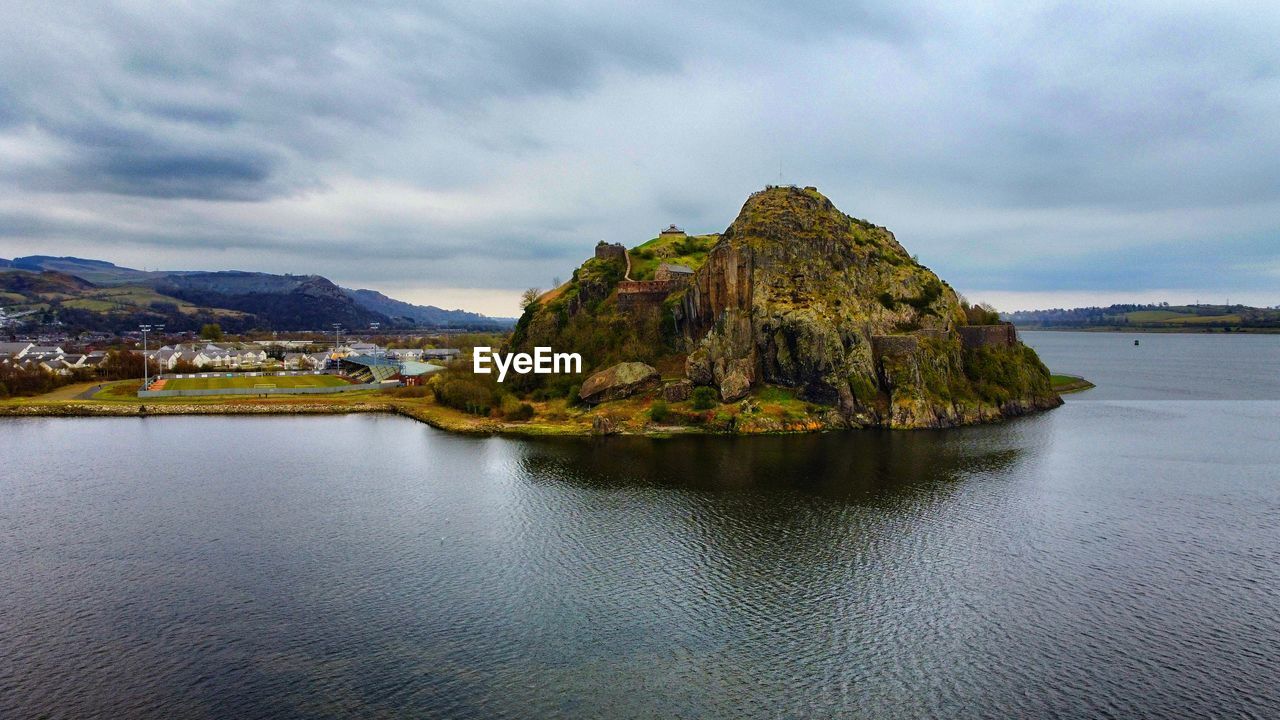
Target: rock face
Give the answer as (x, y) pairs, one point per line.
(800, 295)
(677, 391)
(620, 381)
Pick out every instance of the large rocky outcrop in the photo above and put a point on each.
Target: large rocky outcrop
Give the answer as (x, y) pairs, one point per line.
(800, 295)
(795, 294)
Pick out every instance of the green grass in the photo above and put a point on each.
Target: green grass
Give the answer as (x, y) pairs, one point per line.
(90, 304)
(1171, 317)
(645, 258)
(1068, 383)
(773, 393)
(241, 381)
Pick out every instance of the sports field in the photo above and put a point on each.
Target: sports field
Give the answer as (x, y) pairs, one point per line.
(240, 381)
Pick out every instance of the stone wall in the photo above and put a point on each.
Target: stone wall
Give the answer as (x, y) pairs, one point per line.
(894, 345)
(977, 336)
(645, 293)
(324, 390)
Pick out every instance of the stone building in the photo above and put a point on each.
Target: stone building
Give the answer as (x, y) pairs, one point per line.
(610, 251)
(673, 272)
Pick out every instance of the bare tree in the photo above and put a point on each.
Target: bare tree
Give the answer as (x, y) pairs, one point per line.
(529, 297)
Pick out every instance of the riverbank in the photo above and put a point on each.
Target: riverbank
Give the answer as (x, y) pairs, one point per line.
(774, 411)
(1063, 384)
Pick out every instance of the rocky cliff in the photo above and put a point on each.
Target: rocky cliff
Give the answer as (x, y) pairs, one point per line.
(797, 295)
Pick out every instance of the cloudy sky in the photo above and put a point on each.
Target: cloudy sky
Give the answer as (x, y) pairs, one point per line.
(455, 153)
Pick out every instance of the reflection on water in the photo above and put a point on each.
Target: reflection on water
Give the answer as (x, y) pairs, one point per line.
(858, 467)
(1110, 558)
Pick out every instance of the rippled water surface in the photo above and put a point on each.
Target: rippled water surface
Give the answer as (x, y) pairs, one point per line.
(1115, 557)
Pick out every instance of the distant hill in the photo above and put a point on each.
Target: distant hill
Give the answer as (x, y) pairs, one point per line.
(48, 295)
(98, 272)
(280, 302)
(1161, 317)
(114, 297)
(35, 283)
(428, 315)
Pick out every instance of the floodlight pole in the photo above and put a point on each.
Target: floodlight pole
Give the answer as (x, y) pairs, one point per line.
(145, 380)
(373, 327)
(146, 375)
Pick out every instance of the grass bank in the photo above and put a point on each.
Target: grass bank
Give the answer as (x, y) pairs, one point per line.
(1063, 384)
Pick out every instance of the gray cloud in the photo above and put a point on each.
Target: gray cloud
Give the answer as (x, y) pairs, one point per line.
(1078, 146)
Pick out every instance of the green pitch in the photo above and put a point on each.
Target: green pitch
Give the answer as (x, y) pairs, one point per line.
(239, 381)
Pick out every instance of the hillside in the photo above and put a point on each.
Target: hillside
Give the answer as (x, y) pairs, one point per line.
(120, 297)
(798, 296)
(80, 304)
(427, 315)
(280, 302)
(98, 272)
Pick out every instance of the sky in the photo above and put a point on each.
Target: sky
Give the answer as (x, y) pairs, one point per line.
(1032, 154)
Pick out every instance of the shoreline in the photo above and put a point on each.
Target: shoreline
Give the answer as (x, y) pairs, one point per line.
(423, 410)
(1064, 384)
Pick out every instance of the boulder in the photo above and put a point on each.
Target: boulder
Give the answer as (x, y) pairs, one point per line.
(677, 391)
(734, 386)
(620, 381)
(602, 425)
(697, 367)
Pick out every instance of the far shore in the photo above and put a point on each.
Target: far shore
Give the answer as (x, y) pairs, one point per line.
(1184, 330)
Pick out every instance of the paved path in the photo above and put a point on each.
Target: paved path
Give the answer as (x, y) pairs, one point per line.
(627, 255)
(74, 391)
(88, 394)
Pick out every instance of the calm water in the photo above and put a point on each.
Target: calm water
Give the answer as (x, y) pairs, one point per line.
(1115, 557)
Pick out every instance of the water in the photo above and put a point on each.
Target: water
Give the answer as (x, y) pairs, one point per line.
(1115, 557)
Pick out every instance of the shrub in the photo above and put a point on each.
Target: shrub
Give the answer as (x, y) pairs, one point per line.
(523, 411)
(705, 398)
(658, 412)
(689, 246)
(931, 291)
(981, 314)
(463, 391)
